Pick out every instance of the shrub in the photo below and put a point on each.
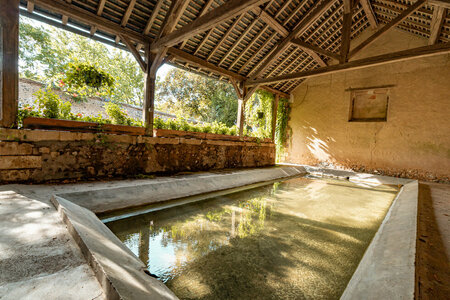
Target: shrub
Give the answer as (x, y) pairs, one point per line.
(117, 115)
(51, 106)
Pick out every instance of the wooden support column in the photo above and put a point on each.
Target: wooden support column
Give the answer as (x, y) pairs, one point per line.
(274, 115)
(241, 116)
(149, 95)
(9, 56)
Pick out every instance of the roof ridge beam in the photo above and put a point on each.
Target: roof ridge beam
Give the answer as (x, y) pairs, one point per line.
(209, 20)
(402, 16)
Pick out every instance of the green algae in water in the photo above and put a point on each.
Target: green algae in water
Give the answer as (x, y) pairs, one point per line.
(297, 239)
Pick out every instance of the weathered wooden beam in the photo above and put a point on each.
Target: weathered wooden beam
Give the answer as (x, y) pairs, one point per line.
(441, 3)
(196, 61)
(77, 13)
(135, 52)
(402, 16)
(369, 13)
(297, 31)
(269, 20)
(274, 91)
(152, 18)
(203, 11)
(30, 7)
(346, 31)
(420, 52)
(149, 95)
(304, 45)
(9, 68)
(212, 18)
(101, 6)
(237, 89)
(274, 115)
(241, 116)
(64, 20)
(437, 22)
(174, 14)
(127, 14)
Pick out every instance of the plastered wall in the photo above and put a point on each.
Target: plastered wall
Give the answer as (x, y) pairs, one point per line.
(415, 140)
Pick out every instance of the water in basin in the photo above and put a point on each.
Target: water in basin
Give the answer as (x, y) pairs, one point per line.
(298, 239)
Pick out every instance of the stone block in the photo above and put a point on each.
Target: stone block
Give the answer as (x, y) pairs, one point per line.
(14, 148)
(20, 162)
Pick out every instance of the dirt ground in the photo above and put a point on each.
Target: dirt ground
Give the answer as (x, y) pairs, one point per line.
(433, 242)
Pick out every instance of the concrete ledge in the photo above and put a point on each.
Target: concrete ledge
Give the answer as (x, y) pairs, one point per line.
(107, 200)
(387, 269)
(120, 273)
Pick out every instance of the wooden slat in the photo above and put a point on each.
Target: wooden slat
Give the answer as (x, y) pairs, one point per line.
(437, 21)
(224, 37)
(214, 17)
(298, 30)
(269, 20)
(369, 13)
(203, 11)
(415, 53)
(64, 20)
(386, 27)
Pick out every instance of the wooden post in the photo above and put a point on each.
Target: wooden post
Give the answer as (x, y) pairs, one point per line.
(241, 116)
(9, 56)
(149, 96)
(274, 115)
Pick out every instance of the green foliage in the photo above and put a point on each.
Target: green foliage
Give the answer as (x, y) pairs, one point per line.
(258, 114)
(45, 52)
(51, 106)
(196, 96)
(281, 127)
(81, 80)
(117, 115)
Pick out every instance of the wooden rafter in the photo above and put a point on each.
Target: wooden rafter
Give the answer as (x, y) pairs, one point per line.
(128, 13)
(420, 52)
(203, 11)
(135, 52)
(174, 14)
(297, 31)
(305, 45)
(406, 13)
(346, 30)
(101, 6)
(367, 7)
(152, 18)
(224, 37)
(238, 41)
(212, 18)
(437, 21)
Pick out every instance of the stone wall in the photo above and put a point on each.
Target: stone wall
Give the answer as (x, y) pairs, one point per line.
(40, 155)
(414, 142)
(91, 107)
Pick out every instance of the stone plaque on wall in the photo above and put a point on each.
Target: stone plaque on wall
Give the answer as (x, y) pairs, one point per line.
(369, 105)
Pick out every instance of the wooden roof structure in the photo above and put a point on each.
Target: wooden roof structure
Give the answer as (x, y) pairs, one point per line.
(272, 44)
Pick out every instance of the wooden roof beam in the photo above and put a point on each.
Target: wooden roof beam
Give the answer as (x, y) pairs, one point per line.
(369, 13)
(346, 30)
(174, 14)
(441, 3)
(135, 52)
(212, 18)
(420, 52)
(101, 6)
(301, 27)
(437, 21)
(63, 8)
(30, 7)
(304, 45)
(402, 16)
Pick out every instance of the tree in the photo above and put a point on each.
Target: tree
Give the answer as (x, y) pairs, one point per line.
(196, 96)
(45, 52)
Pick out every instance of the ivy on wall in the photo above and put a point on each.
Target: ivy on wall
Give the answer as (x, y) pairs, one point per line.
(258, 119)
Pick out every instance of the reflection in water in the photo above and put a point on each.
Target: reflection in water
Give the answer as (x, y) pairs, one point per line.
(299, 239)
